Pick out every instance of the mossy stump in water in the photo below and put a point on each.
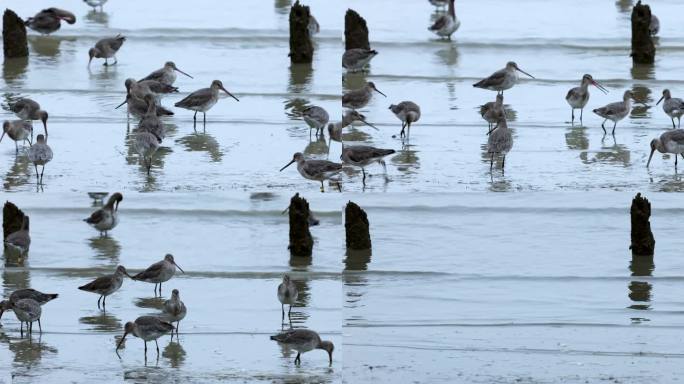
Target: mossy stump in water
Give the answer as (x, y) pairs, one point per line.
(14, 42)
(355, 31)
(12, 219)
(301, 241)
(643, 49)
(356, 227)
(301, 47)
(643, 242)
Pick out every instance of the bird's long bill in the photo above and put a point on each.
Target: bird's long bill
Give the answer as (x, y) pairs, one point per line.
(600, 86)
(649, 157)
(370, 125)
(520, 70)
(121, 341)
(229, 94)
(124, 102)
(116, 207)
(178, 266)
(90, 60)
(288, 164)
(1, 136)
(378, 91)
(661, 99)
(183, 73)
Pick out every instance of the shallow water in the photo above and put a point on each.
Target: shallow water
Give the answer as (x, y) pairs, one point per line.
(463, 285)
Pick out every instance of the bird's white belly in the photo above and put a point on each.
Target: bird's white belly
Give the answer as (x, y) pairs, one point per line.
(109, 221)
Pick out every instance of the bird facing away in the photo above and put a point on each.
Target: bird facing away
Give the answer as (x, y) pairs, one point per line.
(315, 117)
(159, 272)
(304, 340)
(17, 130)
(106, 48)
(26, 293)
(19, 240)
(356, 59)
(138, 107)
(673, 107)
(49, 20)
(492, 111)
(447, 24)
(106, 285)
(500, 142)
(40, 154)
(502, 79)
(166, 74)
(671, 141)
(106, 218)
(359, 98)
(364, 155)
(579, 96)
(175, 310)
(408, 112)
(615, 111)
(317, 170)
(287, 294)
(147, 328)
(27, 109)
(203, 99)
(146, 144)
(150, 121)
(27, 311)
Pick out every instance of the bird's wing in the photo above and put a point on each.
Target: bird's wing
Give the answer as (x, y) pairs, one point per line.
(676, 135)
(316, 113)
(495, 79)
(153, 323)
(96, 217)
(156, 75)
(440, 23)
(321, 166)
(98, 284)
(152, 270)
(196, 98)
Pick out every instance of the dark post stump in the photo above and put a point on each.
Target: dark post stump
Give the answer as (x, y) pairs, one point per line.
(643, 49)
(643, 243)
(12, 219)
(301, 241)
(13, 35)
(301, 47)
(355, 31)
(357, 227)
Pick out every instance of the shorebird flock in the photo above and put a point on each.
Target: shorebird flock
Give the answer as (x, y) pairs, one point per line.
(143, 99)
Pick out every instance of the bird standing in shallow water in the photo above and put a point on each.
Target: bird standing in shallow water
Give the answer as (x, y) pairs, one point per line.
(502, 79)
(315, 117)
(318, 170)
(408, 112)
(363, 155)
(447, 24)
(359, 98)
(356, 59)
(40, 154)
(106, 218)
(304, 340)
(106, 48)
(615, 111)
(106, 285)
(579, 96)
(493, 111)
(175, 310)
(17, 130)
(19, 240)
(146, 144)
(166, 74)
(27, 311)
(671, 141)
(203, 99)
(147, 328)
(26, 293)
(673, 107)
(287, 294)
(27, 109)
(159, 272)
(500, 142)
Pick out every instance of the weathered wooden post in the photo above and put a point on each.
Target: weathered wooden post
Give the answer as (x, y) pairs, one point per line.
(301, 47)
(301, 241)
(355, 31)
(643, 242)
(12, 219)
(357, 227)
(643, 49)
(14, 42)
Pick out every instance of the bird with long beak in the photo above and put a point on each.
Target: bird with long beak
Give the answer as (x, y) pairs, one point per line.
(106, 285)
(203, 99)
(40, 153)
(166, 74)
(304, 340)
(17, 130)
(502, 79)
(147, 328)
(616, 111)
(579, 96)
(359, 98)
(159, 272)
(673, 107)
(106, 218)
(106, 48)
(26, 293)
(317, 170)
(28, 109)
(49, 20)
(671, 141)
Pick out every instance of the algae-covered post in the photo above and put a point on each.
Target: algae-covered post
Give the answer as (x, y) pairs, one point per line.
(12, 219)
(301, 241)
(355, 31)
(643, 243)
(643, 49)
(14, 42)
(356, 227)
(301, 47)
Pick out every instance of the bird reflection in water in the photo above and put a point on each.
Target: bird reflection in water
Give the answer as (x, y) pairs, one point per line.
(106, 248)
(19, 173)
(576, 138)
(175, 353)
(28, 353)
(202, 142)
(97, 18)
(102, 322)
(612, 154)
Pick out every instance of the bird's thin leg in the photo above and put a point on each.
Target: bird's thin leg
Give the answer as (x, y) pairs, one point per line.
(36, 166)
(30, 327)
(503, 164)
(408, 130)
(581, 113)
(41, 173)
(673, 124)
(177, 328)
(403, 125)
(104, 298)
(491, 162)
(204, 118)
(289, 311)
(322, 188)
(339, 186)
(16, 146)
(21, 328)
(614, 125)
(675, 161)
(40, 328)
(364, 176)
(572, 118)
(98, 301)
(602, 126)
(282, 309)
(115, 60)
(105, 63)
(679, 121)
(194, 117)
(298, 359)
(157, 344)
(145, 349)
(160, 289)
